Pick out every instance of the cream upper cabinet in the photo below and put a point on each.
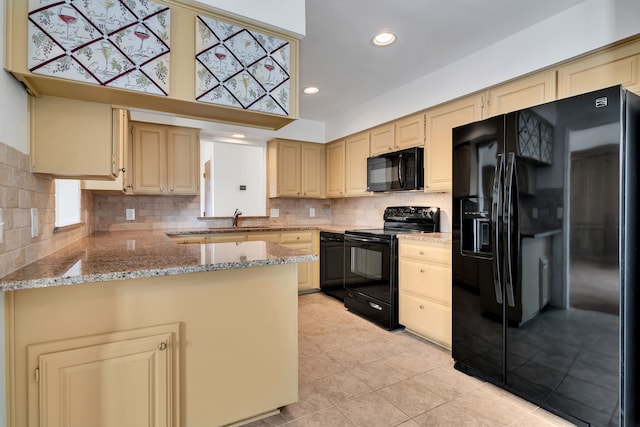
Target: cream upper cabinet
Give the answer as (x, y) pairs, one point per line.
(172, 56)
(410, 132)
(522, 93)
(439, 142)
(165, 159)
(424, 285)
(313, 170)
(335, 155)
(356, 153)
(295, 168)
(383, 139)
(121, 136)
(619, 65)
(74, 139)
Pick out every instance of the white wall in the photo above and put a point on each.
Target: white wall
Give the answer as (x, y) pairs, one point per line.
(288, 15)
(14, 117)
(585, 27)
(234, 165)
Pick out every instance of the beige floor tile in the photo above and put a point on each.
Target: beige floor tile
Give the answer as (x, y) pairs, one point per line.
(372, 410)
(448, 383)
(409, 423)
(489, 408)
(316, 366)
(551, 419)
(331, 417)
(340, 387)
(378, 374)
(448, 415)
(411, 396)
(309, 402)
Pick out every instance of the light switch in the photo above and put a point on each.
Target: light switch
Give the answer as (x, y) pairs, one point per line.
(312, 212)
(275, 213)
(130, 214)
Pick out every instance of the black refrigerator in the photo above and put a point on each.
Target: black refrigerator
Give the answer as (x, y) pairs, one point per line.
(545, 252)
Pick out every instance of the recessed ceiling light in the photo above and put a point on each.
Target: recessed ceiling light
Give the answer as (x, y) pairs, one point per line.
(238, 135)
(384, 39)
(311, 90)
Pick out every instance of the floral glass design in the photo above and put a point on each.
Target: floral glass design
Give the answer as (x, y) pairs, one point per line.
(115, 43)
(240, 68)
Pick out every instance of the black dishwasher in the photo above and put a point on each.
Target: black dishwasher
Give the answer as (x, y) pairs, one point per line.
(332, 264)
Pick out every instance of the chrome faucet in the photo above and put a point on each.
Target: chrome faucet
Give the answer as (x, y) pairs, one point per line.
(236, 214)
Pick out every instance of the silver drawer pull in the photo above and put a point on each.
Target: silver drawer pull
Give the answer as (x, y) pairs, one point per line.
(421, 307)
(376, 306)
(422, 270)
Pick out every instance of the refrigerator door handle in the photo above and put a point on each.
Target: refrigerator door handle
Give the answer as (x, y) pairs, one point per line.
(510, 182)
(495, 235)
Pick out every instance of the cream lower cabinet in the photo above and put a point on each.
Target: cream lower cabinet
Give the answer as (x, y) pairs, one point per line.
(425, 289)
(307, 240)
(440, 122)
(165, 160)
(120, 379)
(335, 155)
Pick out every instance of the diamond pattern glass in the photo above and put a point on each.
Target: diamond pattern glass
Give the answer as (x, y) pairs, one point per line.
(239, 68)
(114, 43)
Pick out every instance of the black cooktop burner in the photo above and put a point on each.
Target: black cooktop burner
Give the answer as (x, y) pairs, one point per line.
(405, 219)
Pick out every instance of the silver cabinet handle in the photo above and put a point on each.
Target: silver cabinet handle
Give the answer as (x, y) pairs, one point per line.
(162, 346)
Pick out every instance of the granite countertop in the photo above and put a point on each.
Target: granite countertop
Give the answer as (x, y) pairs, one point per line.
(429, 237)
(336, 228)
(105, 256)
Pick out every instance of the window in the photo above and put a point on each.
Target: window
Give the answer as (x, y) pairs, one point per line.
(67, 202)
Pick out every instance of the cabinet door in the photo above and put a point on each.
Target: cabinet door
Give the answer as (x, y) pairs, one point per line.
(313, 170)
(620, 65)
(149, 158)
(409, 132)
(265, 237)
(183, 158)
(71, 139)
(120, 144)
(438, 153)
(383, 139)
(357, 151)
(335, 169)
(124, 383)
(288, 167)
(522, 93)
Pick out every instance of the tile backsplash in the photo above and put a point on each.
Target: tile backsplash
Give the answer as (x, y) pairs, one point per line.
(20, 190)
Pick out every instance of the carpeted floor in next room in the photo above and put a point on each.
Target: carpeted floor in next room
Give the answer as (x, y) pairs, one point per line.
(353, 373)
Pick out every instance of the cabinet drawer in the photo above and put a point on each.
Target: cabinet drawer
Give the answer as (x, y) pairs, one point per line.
(436, 252)
(266, 237)
(429, 320)
(432, 281)
(189, 239)
(296, 237)
(227, 237)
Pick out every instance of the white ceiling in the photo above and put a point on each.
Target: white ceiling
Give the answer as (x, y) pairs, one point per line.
(337, 55)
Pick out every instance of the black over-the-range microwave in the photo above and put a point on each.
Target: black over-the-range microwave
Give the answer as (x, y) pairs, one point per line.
(398, 171)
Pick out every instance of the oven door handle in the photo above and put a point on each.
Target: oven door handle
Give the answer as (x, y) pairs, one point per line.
(358, 239)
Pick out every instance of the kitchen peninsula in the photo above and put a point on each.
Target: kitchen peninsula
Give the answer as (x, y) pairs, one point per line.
(137, 330)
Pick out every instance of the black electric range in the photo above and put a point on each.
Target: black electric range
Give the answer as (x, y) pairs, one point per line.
(371, 262)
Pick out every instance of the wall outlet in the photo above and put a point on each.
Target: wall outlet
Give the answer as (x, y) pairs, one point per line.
(130, 214)
(559, 212)
(275, 213)
(1, 227)
(312, 212)
(534, 213)
(35, 223)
